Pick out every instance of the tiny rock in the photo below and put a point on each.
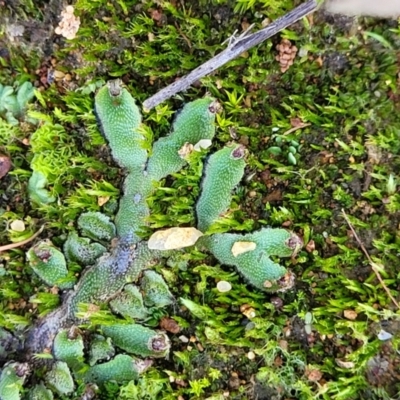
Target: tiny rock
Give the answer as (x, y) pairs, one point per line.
(248, 311)
(277, 302)
(17, 225)
(383, 335)
(350, 314)
(223, 286)
(184, 339)
(344, 364)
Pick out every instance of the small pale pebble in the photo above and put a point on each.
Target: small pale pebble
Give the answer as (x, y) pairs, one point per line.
(383, 335)
(251, 355)
(202, 144)
(17, 225)
(224, 286)
(303, 52)
(58, 75)
(252, 193)
(184, 339)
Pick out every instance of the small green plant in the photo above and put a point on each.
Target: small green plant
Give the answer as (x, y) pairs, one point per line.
(13, 104)
(104, 282)
(284, 146)
(344, 84)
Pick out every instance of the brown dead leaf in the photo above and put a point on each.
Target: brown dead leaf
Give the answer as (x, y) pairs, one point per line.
(245, 25)
(287, 224)
(295, 122)
(169, 325)
(313, 375)
(156, 15)
(350, 314)
(284, 345)
(278, 362)
(310, 246)
(374, 153)
(275, 195)
(5, 165)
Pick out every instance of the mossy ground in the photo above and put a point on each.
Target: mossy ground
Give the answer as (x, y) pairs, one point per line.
(318, 340)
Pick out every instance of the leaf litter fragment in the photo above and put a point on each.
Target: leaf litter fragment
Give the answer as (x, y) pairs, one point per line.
(174, 238)
(242, 247)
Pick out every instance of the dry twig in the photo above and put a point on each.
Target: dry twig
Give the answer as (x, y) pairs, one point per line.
(19, 244)
(373, 265)
(295, 128)
(235, 48)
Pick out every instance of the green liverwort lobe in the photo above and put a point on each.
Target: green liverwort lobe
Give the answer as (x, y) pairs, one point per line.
(81, 250)
(59, 378)
(36, 188)
(49, 263)
(96, 225)
(122, 368)
(251, 254)
(100, 349)
(40, 392)
(68, 347)
(192, 124)
(120, 118)
(11, 380)
(129, 303)
(137, 339)
(223, 171)
(155, 290)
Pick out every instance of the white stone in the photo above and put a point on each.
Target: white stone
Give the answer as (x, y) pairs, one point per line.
(383, 335)
(224, 286)
(202, 144)
(17, 225)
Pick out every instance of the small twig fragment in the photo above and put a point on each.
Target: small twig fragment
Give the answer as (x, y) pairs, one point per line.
(19, 244)
(234, 49)
(295, 128)
(376, 272)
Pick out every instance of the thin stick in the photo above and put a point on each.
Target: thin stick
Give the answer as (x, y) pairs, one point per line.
(19, 244)
(295, 128)
(234, 49)
(378, 275)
